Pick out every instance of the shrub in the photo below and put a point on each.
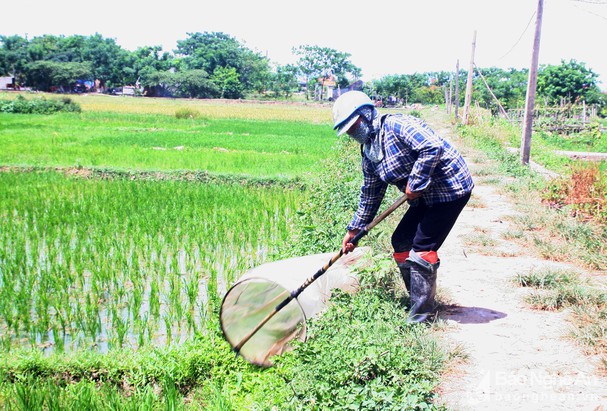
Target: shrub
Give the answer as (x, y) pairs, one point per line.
(187, 113)
(584, 192)
(39, 106)
(415, 113)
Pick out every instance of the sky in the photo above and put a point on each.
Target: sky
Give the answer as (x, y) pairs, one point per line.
(383, 37)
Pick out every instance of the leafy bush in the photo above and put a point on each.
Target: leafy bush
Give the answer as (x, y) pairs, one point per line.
(20, 105)
(373, 360)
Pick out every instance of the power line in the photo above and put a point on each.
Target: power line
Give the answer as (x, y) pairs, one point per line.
(603, 2)
(588, 11)
(519, 39)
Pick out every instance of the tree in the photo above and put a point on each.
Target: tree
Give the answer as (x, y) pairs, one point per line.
(411, 88)
(315, 61)
(187, 84)
(284, 81)
(508, 86)
(399, 85)
(14, 56)
(144, 61)
(43, 75)
(226, 80)
(571, 81)
(218, 51)
(108, 60)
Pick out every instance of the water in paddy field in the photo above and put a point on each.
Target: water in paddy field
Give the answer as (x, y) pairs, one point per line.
(98, 265)
(161, 310)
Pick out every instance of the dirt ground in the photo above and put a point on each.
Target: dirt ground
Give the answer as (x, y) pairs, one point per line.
(515, 358)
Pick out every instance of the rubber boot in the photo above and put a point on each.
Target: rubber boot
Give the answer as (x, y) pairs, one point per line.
(423, 287)
(405, 268)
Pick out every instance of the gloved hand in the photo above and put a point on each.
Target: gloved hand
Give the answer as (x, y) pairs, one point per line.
(347, 246)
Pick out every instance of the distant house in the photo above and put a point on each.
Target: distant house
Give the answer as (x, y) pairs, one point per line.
(7, 83)
(327, 86)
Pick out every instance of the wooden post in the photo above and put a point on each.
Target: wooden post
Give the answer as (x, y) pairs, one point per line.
(531, 86)
(457, 90)
(583, 112)
(450, 95)
(469, 84)
(493, 95)
(447, 97)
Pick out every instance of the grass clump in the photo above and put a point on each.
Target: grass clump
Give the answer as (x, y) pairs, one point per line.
(187, 113)
(555, 289)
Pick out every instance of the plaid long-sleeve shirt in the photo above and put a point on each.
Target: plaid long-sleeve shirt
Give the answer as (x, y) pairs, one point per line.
(413, 153)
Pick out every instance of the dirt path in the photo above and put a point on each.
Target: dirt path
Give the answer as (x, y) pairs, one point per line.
(517, 358)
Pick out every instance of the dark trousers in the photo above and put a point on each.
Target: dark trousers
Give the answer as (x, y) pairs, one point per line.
(424, 228)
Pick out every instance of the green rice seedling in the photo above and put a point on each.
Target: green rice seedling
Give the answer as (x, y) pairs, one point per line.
(110, 252)
(28, 397)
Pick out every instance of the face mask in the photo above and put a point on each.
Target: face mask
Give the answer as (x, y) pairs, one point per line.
(362, 133)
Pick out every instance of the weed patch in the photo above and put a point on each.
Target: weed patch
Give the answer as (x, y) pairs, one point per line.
(374, 360)
(583, 193)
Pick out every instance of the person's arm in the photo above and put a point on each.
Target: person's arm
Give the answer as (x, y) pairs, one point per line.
(371, 195)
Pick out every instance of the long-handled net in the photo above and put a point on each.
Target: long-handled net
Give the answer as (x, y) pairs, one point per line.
(267, 308)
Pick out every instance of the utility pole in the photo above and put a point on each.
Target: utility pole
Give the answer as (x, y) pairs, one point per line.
(457, 90)
(469, 83)
(531, 86)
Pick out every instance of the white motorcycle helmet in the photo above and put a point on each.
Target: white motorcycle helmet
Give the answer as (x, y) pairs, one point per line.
(345, 108)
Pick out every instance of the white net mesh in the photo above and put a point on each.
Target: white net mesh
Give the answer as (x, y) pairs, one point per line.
(261, 289)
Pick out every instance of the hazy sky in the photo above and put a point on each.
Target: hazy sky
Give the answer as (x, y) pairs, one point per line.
(383, 37)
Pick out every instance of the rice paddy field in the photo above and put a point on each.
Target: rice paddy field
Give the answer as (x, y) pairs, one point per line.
(266, 146)
(105, 244)
(121, 229)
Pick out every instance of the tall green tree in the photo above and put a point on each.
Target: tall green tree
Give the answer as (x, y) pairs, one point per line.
(220, 52)
(108, 60)
(284, 82)
(14, 56)
(145, 61)
(570, 81)
(410, 88)
(315, 61)
(508, 86)
(44, 75)
(226, 80)
(184, 84)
